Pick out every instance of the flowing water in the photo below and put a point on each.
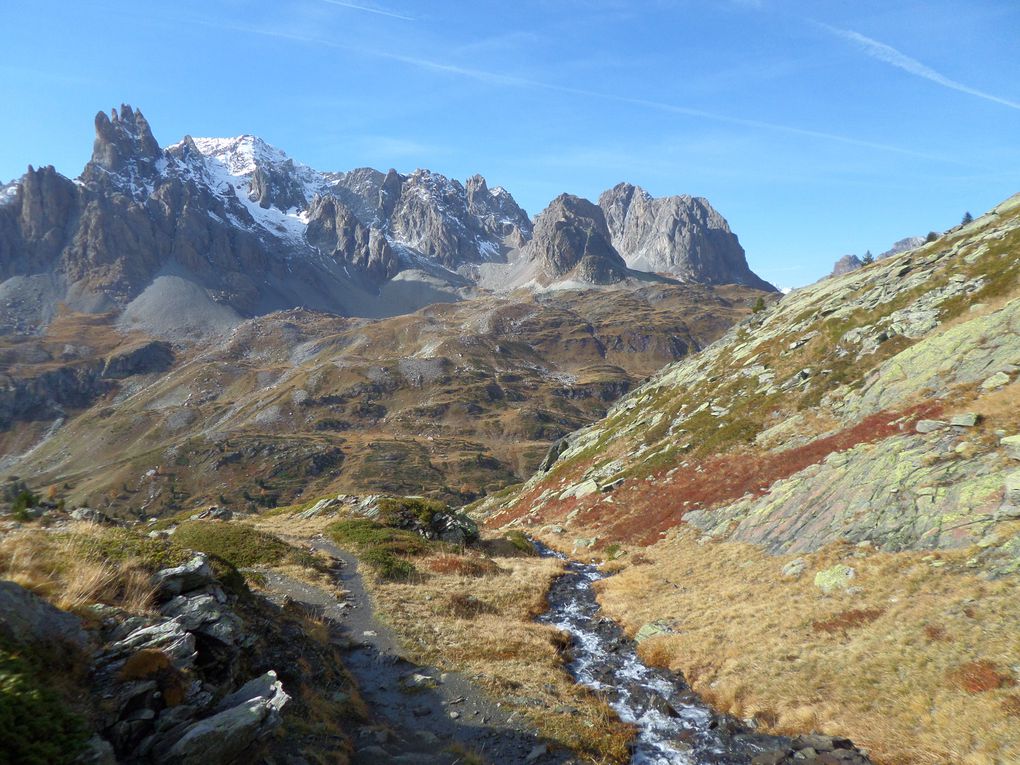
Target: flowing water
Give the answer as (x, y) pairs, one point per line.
(674, 727)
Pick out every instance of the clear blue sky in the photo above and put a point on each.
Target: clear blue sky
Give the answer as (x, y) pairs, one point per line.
(817, 127)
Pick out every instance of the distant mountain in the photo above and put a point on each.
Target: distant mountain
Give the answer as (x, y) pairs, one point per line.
(189, 240)
(681, 236)
(846, 264)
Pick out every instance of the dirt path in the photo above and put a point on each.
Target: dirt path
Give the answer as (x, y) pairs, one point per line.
(422, 716)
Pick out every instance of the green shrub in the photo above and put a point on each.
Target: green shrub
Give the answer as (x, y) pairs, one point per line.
(36, 728)
(395, 511)
(363, 534)
(240, 545)
(388, 566)
(521, 542)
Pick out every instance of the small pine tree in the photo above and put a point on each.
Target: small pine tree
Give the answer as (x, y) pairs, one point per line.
(759, 305)
(967, 218)
(868, 258)
(932, 236)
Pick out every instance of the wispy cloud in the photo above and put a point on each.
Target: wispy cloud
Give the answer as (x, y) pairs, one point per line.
(370, 9)
(893, 57)
(509, 80)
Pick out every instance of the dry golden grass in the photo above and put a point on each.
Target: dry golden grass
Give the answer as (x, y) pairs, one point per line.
(918, 666)
(66, 570)
(484, 626)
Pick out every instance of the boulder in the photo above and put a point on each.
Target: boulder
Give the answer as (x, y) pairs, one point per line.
(226, 735)
(995, 381)
(794, 568)
(835, 578)
(90, 515)
(166, 636)
(27, 618)
(966, 420)
(930, 426)
(189, 576)
(655, 629)
(1011, 444)
(213, 513)
(205, 615)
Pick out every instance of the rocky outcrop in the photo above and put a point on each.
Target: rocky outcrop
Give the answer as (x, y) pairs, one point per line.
(172, 685)
(846, 264)
(908, 243)
(572, 242)
(336, 232)
(680, 235)
(50, 393)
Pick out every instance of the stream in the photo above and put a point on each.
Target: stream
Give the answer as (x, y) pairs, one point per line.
(674, 726)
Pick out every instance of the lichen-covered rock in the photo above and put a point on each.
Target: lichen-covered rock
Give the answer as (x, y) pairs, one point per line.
(836, 578)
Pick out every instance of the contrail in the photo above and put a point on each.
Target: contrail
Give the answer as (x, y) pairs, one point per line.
(893, 57)
(370, 9)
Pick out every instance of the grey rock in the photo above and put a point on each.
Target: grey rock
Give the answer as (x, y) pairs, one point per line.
(227, 734)
(90, 515)
(27, 618)
(571, 241)
(265, 686)
(794, 568)
(204, 614)
(680, 235)
(996, 381)
(966, 420)
(930, 426)
(168, 636)
(189, 576)
(213, 513)
(1011, 445)
(847, 264)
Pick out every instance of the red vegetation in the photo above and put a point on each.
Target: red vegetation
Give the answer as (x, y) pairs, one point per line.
(845, 620)
(978, 677)
(642, 508)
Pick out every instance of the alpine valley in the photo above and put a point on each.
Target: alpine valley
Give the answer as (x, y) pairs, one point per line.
(305, 467)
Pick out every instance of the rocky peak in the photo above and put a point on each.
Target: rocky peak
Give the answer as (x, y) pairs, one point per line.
(572, 241)
(680, 235)
(846, 264)
(124, 142)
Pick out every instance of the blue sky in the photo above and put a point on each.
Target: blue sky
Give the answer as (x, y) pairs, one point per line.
(817, 128)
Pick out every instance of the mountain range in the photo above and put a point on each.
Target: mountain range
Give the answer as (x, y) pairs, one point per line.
(188, 240)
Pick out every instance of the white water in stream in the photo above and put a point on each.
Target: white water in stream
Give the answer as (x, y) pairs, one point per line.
(674, 727)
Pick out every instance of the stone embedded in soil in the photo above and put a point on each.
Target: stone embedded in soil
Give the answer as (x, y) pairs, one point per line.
(930, 426)
(834, 578)
(794, 568)
(967, 420)
(1012, 446)
(995, 381)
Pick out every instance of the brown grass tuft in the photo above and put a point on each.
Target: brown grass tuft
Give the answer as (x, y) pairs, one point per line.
(463, 606)
(460, 565)
(936, 633)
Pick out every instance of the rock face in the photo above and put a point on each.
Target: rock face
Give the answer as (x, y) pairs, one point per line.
(335, 231)
(846, 264)
(680, 235)
(572, 242)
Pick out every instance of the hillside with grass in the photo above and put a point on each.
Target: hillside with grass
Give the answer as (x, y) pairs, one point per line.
(817, 518)
(454, 401)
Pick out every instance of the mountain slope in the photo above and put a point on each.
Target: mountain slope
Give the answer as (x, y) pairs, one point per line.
(453, 400)
(863, 431)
